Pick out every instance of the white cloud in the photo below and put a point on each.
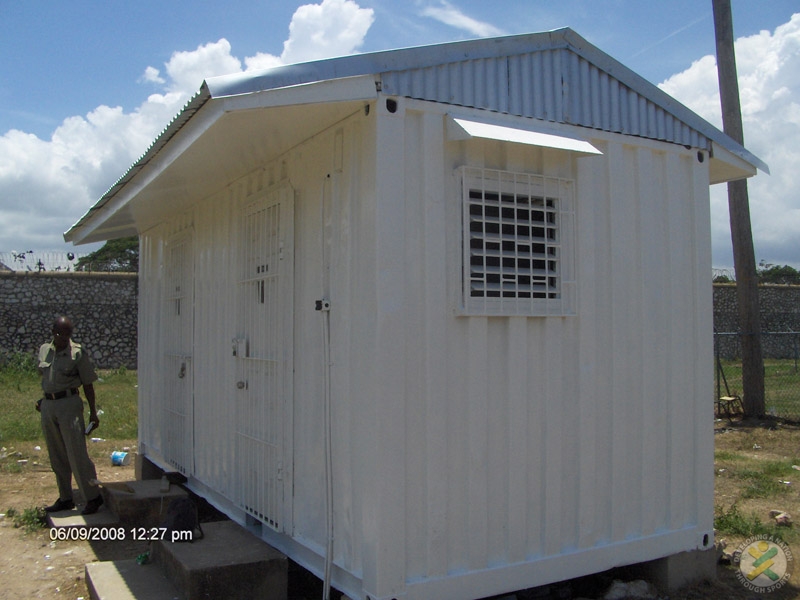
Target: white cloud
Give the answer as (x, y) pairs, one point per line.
(331, 28)
(152, 75)
(448, 14)
(262, 61)
(768, 66)
(46, 185)
(187, 70)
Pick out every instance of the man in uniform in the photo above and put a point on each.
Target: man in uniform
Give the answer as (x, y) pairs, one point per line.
(64, 367)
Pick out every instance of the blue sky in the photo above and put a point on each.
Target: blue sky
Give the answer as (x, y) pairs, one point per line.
(86, 86)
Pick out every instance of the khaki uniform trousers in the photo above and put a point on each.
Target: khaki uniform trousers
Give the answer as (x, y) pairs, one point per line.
(63, 427)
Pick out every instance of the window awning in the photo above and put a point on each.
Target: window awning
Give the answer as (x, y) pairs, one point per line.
(463, 129)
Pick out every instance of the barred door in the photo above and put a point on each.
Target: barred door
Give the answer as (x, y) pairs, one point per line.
(178, 401)
(263, 351)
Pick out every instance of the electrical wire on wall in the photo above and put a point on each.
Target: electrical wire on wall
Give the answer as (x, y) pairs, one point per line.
(326, 352)
(324, 307)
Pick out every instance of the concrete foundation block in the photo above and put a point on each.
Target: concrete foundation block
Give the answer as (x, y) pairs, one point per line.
(144, 468)
(228, 562)
(145, 506)
(673, 572)
(128, 580)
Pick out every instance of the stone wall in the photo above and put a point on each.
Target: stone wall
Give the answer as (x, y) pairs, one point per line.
(102, 306)
(780, 320)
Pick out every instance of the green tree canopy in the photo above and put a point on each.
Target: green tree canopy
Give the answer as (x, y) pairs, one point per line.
(778, 274)
(120, 255)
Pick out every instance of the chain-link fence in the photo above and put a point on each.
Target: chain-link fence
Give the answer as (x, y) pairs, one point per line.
(781, 352)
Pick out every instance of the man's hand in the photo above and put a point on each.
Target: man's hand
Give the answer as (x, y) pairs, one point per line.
(88, 389)
(94, 420)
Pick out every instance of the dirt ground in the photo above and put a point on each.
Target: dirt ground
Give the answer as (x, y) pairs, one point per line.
(33, 566)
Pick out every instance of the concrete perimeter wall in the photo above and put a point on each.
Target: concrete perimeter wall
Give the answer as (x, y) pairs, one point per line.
(102, 306)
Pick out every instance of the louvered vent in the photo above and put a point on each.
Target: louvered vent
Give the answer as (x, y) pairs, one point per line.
(513, 241)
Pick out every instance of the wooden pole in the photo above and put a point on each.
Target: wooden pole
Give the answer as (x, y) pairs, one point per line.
(744, 261)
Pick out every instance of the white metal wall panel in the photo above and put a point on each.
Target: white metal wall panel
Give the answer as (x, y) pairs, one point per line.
(510, 450)
(214, 373)
(151, 303)
(178, 390)
(554, 85)
(554, 435)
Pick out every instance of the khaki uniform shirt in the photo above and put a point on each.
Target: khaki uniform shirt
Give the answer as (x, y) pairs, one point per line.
(65, 369)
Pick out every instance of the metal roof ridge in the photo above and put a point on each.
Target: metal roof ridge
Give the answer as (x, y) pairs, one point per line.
(382, 61)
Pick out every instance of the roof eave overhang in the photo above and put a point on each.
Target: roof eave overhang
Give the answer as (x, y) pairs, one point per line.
(102, 221)
(730, 166)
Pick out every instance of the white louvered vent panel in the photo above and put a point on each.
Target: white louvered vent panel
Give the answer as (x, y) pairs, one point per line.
(514, 228)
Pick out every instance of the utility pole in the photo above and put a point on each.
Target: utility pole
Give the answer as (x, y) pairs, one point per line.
(744, 261)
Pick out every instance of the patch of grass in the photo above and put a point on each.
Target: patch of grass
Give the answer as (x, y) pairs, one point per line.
(116, 393)
(117, 396)
(18, 417)
(781, 385)
(29, 520)
(727, 455)
(17, 363)
(765, 480)
(734, 522)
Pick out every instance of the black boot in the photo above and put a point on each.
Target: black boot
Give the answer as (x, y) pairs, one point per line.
(60, 505)
(92, 505)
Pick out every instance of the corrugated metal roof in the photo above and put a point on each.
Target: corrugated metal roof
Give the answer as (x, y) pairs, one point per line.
(554, 76)
(192, 106)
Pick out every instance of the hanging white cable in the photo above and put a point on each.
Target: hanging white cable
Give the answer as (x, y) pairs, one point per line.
(324, 306)
(326, 351)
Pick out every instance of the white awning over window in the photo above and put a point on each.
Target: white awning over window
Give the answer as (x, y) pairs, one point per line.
(463, 129)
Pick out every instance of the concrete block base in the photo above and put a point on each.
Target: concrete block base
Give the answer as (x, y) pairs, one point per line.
(145, 507)
(144, 468)
(128, 580)
(228, 563)
(673, 572)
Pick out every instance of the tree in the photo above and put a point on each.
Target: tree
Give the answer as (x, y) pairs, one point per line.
(783, 274)
(116, 255)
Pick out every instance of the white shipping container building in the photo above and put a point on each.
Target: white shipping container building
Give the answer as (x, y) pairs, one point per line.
(435, 322)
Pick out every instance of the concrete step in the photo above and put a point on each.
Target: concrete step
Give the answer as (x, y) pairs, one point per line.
(228, 562)
(128, 580)
(140, 503)
(73, 518)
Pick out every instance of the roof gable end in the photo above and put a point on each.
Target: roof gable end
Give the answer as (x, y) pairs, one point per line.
(554, 76)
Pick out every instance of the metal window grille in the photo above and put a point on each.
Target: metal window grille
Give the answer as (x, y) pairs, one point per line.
(261, 358)
(513, 242)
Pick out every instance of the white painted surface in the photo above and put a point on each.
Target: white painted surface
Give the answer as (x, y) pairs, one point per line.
(471, 455)
(463, 129)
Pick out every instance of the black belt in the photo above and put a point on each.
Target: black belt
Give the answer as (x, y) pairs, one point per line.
(64, 394)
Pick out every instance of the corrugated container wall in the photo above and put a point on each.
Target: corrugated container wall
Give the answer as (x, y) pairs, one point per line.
(471, 454)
